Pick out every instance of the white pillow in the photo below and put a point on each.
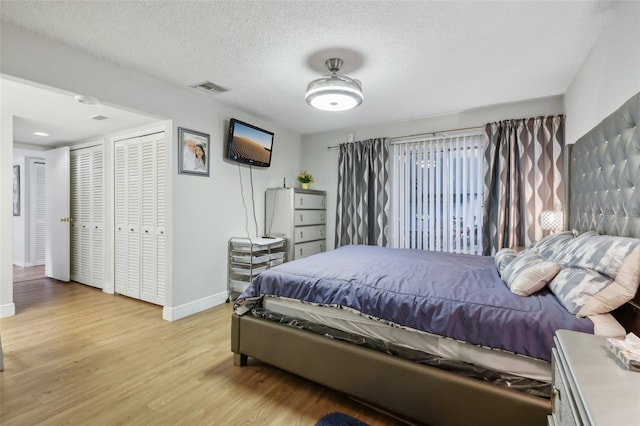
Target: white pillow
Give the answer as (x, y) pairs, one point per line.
(622, 290)
(529, 273)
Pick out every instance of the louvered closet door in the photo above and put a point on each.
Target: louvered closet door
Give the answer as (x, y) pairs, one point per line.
(87, 213)
(84, 217)
(133, 219)
(153, 219)
(40, 214)
(97, 218)
(120, 201)
(74, 207)
(140, 202)
(161, 218)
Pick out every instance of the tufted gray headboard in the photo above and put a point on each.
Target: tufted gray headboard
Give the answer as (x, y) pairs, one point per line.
(604, 189)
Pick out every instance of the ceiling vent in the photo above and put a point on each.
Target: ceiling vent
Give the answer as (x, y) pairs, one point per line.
(210, 87)
(98, 117)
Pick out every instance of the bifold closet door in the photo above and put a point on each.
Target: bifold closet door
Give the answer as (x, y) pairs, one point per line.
(39, 219)
(153, 220)
(87, 214)
(140, 218)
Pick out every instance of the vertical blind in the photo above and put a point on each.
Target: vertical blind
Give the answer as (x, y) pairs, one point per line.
(436, 194)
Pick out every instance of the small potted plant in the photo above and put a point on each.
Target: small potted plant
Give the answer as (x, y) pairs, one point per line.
(305, 179)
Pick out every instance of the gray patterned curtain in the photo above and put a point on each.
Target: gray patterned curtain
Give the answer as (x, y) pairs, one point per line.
(363, 193)
(524, 164)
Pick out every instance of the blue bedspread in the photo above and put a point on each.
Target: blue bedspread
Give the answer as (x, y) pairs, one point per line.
(452, 295)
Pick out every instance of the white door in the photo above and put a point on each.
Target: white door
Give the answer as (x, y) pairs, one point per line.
(38, 209)
(57, 235)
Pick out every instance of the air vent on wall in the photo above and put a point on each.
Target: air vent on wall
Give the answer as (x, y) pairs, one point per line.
(98, 117)
(210, 87)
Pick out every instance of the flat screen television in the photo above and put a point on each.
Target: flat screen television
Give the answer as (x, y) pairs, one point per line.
(249, 144)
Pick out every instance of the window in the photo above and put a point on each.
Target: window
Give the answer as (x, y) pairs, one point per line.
(436, 194)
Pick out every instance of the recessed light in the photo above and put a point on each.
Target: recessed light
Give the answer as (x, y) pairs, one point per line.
(41, 134)
(87, 100)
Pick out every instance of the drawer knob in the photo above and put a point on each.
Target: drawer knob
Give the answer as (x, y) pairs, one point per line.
(555, 394)
(301, 234)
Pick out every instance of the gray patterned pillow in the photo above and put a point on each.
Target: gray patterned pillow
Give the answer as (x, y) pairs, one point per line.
(586, 292)
(529, 273)
(602, 253)
(573, 287)
(551, 247)
(503, 257)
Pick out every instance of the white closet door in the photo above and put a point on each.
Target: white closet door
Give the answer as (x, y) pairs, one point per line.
(133, 218)
(148, 221)
(39, 218)
(161, 218)
(84, 217)
(140, 217)
(97, 218)
(87, 213)
(74, 198)
(120, 217)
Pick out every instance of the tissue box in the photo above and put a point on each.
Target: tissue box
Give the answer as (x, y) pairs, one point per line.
(628, 357)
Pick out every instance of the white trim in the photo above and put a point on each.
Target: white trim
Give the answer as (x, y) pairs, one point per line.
(7, 310)
(191, 308)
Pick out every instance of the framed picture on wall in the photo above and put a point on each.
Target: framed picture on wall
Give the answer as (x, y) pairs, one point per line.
(193, 152)
(16, 190)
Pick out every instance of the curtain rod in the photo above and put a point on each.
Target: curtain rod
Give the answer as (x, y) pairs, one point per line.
(399, 138)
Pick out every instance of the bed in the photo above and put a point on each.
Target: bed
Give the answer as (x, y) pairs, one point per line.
(382, 369)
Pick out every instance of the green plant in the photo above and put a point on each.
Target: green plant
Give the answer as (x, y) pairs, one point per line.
(305, 177)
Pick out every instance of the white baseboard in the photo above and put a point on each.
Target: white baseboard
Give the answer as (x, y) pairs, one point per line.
(182, 311)
(7, 310)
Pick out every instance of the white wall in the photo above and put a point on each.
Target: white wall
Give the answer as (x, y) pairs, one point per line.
(7, 307)
(205, 211)
(322, 163)
(609, 76)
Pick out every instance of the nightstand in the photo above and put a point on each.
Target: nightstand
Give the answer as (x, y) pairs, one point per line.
(589, 386)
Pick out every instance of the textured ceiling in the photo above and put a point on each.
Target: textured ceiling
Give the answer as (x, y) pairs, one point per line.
(415, 59)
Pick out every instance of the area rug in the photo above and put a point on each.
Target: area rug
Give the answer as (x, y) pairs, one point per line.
(339, 419)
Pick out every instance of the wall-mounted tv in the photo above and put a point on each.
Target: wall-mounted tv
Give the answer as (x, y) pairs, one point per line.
(249, 144)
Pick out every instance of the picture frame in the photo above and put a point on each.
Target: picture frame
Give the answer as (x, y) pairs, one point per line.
(193, 152)
(16, 190)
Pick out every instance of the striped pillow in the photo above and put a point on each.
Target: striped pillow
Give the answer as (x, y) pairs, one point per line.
(529, 273)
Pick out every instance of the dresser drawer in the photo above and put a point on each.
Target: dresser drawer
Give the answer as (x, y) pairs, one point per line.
(309, 217)
(563, 406)
(307, 249)
(308, 201)
(309, 233)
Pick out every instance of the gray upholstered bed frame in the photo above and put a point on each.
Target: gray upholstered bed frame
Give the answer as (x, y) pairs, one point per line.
(606, 160)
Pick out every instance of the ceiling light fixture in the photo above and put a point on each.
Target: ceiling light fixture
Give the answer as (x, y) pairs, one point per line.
(334, 92)
(41, 134)
(87, 100)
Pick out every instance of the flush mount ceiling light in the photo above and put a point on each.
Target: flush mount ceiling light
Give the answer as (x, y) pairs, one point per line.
(41, 134)
(334, 92)
(87, 100)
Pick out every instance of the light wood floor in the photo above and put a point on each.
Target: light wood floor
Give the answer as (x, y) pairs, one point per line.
(76, 355)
